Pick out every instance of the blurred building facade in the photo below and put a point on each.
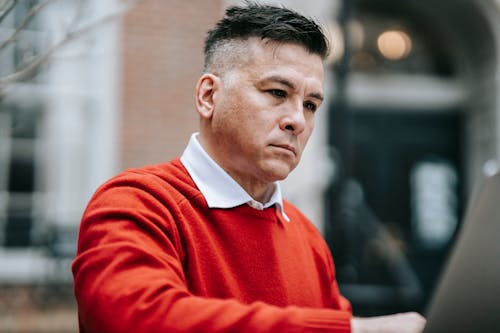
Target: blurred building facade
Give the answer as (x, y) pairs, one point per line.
(411, 119)
(416, 125)
(114, 92)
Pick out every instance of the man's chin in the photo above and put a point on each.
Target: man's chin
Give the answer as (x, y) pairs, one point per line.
(279, 171)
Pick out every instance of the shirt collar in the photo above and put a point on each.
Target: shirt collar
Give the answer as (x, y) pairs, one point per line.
(219, 189)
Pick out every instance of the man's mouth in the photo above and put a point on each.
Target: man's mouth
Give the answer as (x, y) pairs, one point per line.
(286, 147)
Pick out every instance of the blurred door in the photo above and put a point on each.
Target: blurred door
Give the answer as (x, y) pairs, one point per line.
(385, 149)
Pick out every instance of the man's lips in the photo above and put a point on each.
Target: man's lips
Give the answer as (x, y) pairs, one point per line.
(286, 147)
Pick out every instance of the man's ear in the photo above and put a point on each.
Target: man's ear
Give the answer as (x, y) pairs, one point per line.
(206, 89)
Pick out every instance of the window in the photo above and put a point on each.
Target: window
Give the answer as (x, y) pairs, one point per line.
(19, 125)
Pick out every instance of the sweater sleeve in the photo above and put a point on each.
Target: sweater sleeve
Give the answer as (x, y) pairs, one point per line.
(128, 277)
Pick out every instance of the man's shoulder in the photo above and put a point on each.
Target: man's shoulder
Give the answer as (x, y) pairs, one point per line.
(170, 177)
(167, 170)
(308, 230)
(295, 214)
(293, 211)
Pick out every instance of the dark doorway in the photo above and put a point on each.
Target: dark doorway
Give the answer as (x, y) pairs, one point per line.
(386, 146)
(381, 265)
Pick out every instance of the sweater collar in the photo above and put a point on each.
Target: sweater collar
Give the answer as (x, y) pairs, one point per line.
(217, 186)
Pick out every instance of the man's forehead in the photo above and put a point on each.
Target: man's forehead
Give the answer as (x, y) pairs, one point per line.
(286, 62)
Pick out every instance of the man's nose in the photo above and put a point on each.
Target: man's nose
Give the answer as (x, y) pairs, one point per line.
(294, 119)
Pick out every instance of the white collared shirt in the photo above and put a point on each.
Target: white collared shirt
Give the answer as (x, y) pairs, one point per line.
(217, 186)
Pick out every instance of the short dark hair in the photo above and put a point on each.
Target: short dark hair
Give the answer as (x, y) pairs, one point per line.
(266, 22)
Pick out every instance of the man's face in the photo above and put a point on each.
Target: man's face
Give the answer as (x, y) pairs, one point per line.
(264, 111)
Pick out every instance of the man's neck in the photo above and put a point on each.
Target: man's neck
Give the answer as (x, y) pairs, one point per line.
(258, 190)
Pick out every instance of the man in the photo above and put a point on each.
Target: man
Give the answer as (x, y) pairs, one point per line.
(205, 243)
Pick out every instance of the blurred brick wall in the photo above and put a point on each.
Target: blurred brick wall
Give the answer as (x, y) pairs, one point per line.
(162, 57)
(38, 308)
(162, 45)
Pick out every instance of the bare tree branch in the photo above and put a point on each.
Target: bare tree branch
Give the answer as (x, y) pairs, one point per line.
(29, 17)
(4, 3)
(33, 66)
(5, 11)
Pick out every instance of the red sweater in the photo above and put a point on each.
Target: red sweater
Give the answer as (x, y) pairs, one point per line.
(152, 257)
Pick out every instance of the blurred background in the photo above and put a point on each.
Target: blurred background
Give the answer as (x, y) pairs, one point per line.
(410, 127)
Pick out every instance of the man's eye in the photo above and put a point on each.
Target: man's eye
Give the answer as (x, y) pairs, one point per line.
(277, 93)
(310, 106)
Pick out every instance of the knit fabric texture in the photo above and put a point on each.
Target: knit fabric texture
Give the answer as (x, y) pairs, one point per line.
(152, 257)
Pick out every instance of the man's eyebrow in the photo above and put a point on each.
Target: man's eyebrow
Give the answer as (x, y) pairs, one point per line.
(317, 96)
(284, 81)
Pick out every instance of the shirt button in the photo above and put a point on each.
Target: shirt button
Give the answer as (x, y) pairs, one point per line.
(255, 205)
